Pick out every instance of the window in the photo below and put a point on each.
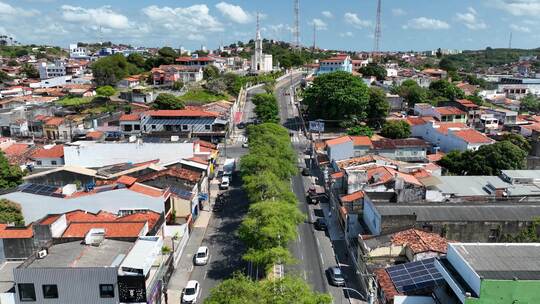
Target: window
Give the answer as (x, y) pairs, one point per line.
(38, 163)
(137, 127)
(168, 128)
(127, 128)
(53, 162)
(207, 127)
(153, 127)
(50, 291)
(184, 127)
(27, 293)
(106, 290)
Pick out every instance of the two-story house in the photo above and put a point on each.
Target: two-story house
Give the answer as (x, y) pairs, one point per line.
(340, 62)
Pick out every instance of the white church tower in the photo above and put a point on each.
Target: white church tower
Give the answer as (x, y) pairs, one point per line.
(260, 63)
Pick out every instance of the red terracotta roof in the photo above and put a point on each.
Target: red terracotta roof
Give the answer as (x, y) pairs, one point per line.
(198, 160)
(94, 134)
(151, 217)
(206, 144)
(361, 141)
(418, 120)
(16, 149)
(444, 126)
(182, 113)
(130, 117)
(49, 219)
(126, 180)
(54, 121)
(195, 59)
(420, 241)
(473, 137)
(56, 151)
(146, 190)
(337, 175)
(386, 284)
(467, 103)
(84, 216)
(435, 157)
(15, 232)
(349, 198)
(449, 111)
(112, 229)
(338, 141)
(180, 173)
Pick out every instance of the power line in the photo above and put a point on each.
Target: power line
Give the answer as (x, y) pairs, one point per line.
(377, 34)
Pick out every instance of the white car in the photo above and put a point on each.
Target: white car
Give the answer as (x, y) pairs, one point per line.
(191, 293)
(245, 145)
(202, 256)
(224, 183)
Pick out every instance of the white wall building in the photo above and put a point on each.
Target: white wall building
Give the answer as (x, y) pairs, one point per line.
(77, 52)
(56, 69)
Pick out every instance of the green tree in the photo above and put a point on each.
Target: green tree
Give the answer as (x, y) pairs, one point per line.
(288, 290)
(105, 91)
(266, 107)
(267, 186)
(378, 106)
(518, 140)
(10, 212)
(29, 70)
(530, 103)
(444, 90)
(10, 176)
(216, 86)
(360, 131)
(4, 77)
(476, 99)
(166, 55)
(412, 93)
(111, 69)
(177, 85)
(447, 65)
(337, 95)
(396, 129)
(373, 70)
(137, 60)
(210, 72)
(166, 101)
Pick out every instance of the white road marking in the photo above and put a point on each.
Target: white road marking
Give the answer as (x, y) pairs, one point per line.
(305, 275)
(205, 273)
(322, 260)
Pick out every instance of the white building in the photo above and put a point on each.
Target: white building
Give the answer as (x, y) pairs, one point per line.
(260, 63)
(77, 52)
(56, 69)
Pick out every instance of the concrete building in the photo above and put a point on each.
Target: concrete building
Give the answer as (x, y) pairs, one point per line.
(52, 70)
(442, 114)
(340, 62)
(487, 273)
(77, 52)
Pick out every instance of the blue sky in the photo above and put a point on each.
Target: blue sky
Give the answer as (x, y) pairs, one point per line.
(342, 24)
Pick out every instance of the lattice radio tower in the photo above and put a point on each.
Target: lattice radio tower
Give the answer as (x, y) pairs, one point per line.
(296, 30)
(377, 34)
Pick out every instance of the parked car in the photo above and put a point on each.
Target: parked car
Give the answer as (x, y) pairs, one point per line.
(306, 172)
(335, 276)
(202, 255)
(224, 183)
(191, 293)
(320, 224)
(245, 145)
(241, 125)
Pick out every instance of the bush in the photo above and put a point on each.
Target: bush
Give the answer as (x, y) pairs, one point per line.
(396, 129)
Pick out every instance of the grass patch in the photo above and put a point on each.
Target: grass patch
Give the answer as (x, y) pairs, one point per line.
(74, 101)
(200, 96)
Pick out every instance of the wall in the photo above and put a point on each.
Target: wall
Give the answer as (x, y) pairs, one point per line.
(61, 178)
(502, 292)
(341, 151)
(372, 219)
(75, 285)
(18, 248)
(47, 162)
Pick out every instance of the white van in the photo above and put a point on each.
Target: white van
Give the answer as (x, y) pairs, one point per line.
(224, 183)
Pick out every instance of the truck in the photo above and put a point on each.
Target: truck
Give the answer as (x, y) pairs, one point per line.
(228, 167)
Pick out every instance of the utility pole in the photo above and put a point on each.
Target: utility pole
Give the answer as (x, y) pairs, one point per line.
(296, 30)
(314, 36)
(377, 34)
(510, 41)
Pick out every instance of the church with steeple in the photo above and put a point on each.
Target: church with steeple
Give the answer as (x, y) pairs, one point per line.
(260, 62)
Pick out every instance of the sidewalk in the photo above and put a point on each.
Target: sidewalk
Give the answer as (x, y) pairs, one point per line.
(183, 269)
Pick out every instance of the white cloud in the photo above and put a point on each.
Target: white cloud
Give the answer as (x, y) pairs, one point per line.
(234, 12)
(346, 34)
(11, 12)
(519, 28)
(183, 20)
(519, 7)
(319, 24)
(102, 16)
(327, 14)
(196, 37)
(470, 19)
(424, 23)
(354, 20)
(398, 12)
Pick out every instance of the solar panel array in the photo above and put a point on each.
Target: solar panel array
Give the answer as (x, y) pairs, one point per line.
(41, 190)
(413, 276)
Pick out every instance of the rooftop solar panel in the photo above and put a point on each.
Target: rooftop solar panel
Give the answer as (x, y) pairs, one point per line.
(414, 276)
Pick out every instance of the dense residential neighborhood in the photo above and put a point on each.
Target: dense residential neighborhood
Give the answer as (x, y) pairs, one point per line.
(269, 170)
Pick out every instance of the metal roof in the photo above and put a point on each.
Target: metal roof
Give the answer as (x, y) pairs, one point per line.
(469, 185)
(462, 213)
(506, 261)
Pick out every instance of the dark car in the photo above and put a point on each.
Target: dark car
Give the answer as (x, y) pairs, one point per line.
(305, 172)
(241, 125)
(335, 276)
(320, 224)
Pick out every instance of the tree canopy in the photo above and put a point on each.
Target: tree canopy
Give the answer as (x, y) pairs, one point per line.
(106, 91)
(10, 176)
(530, 103)
(266, 107)
(29, 70)
(487, 160)
(10, 212)
(336, 95)
(360, 131)
(166, 101)
(378, 106)
(288, 290)
(396, 129)
(111, 69)
(412, 93)
(210, 71)
(441, 90)
(373, 70)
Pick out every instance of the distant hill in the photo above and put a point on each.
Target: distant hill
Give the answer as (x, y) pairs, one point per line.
(472, 61)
